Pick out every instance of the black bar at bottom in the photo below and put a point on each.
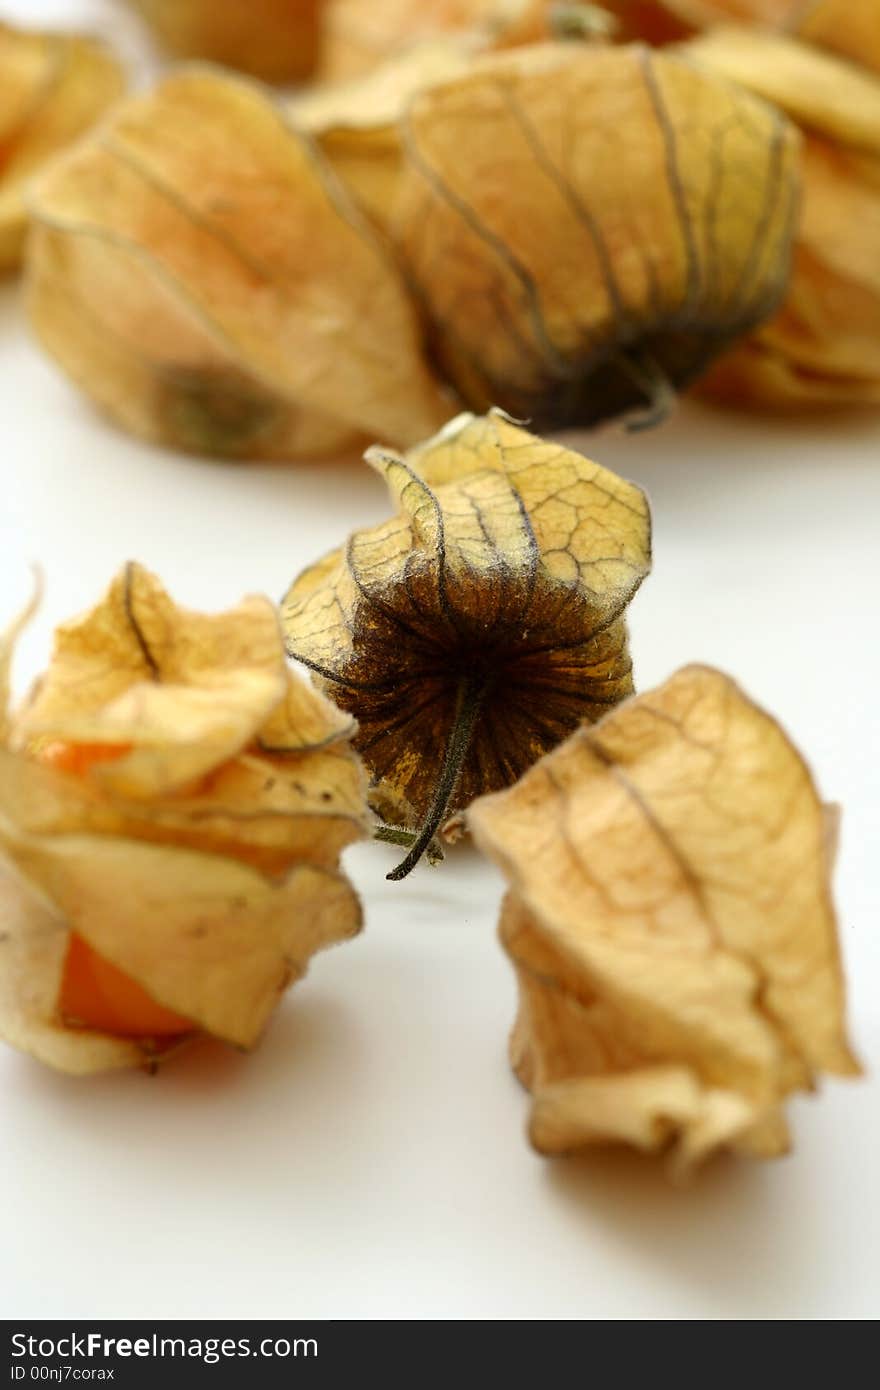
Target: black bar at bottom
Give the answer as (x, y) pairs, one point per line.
(131, 1355)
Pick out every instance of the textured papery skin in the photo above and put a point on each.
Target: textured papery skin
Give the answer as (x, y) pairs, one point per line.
(848, 27)
(209, 278)
(357, 123)
(197, 849)
(53, 88)
(640, 220)
(822, 348)
(359, 37)
(508, 568)
(201, 272)
(670, 921)
(277, 40)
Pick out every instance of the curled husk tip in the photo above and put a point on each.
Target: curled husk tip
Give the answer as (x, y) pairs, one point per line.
(481, 623)
(822, 347)
(173, 804)
(670, 921)
(203, 275)
(53, 87)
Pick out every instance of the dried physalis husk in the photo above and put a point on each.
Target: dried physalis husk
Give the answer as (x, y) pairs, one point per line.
(52, 88)
(639, 221)
(670, 920)
(357, 123)
(821, 92)
(173, 803)
(483, 622)
(848, 27)
(200, 271)
(277, 40)
(705, 14)
(361, 34)
(823, 347)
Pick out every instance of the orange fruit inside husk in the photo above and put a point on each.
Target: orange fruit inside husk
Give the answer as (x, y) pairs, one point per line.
(94, 993)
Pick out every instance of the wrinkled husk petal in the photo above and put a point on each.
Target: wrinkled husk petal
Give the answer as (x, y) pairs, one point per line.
(505, 550)
(9, 637)
(359, 36)
(848, 27)
(820, 91)
(52, 88)
(670, 920)
(181, 690)
(823, 346)
(357, 122)
(277, 40)
(201, 860)
(154, 366)
(640, 220)
(201, 272)
(204, 936)
(221, 747)
(33, 948)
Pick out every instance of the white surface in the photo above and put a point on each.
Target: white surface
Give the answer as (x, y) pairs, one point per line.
(369, 1160)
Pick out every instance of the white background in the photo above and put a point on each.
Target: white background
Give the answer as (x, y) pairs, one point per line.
(369, 1160)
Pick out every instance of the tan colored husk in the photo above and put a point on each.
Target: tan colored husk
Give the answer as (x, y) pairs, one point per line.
(277, 40)
(202, 273)
(823, 346)
(53, 87)
(821, 92)
(357, 122)
(33, 946)
(359, 36)
(848, 27)
(203, 860)
(612, 252)
(670, 920)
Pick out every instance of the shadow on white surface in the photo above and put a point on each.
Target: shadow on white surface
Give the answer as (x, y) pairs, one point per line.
(719, 1240)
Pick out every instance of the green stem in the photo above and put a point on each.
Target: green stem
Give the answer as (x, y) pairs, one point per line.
(470, 698)
(397, 835)
(645, 373)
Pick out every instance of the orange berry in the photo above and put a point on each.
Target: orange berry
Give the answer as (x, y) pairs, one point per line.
(96, 994)
(78, 758)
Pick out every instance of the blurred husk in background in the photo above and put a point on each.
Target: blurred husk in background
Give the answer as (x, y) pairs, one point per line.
(823, 347)
(52, 88)
(204, 277)
(276, 40)
(480, 214)
(218, 283)
(361, 34)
